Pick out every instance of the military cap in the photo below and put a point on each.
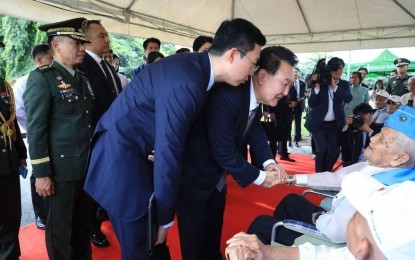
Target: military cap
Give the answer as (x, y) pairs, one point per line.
(403, 120)
(73, 28)
(2, 45)
(401, 61)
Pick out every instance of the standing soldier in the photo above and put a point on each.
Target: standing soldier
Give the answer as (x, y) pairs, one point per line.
(12, 156)
(59, 103)
(398, 85)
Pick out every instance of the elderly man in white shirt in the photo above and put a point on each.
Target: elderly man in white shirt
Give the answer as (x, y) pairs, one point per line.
(391, 159)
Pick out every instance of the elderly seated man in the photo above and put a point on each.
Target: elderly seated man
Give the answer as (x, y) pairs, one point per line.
(390, 159)
(370, 232)
(381, 113)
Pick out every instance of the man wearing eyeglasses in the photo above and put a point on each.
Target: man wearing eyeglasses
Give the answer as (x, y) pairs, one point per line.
(393, 103)
(217, 144)
(398, 85)
(155, 112)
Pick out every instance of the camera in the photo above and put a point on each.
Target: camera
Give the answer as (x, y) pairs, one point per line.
(357, 122)
(323, 74)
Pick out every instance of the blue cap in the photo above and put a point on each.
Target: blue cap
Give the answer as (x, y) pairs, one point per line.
(403, 120)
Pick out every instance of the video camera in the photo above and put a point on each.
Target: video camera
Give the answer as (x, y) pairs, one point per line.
(323, 71)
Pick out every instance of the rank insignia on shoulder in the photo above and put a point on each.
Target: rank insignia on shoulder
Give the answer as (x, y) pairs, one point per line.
(44, 67)
(63, 85)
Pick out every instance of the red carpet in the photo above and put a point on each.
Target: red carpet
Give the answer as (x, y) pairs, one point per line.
(243, 205)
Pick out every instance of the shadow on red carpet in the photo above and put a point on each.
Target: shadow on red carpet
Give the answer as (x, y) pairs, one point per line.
(242, 206)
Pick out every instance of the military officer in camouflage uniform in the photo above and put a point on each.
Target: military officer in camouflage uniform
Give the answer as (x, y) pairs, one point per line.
(12, 156)
(59, 103)
(398, 85)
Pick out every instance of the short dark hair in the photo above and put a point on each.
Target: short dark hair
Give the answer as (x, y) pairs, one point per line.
(182, 50)
(40, 50)
(199, 41)
(147, 41)
(361, 68)
(88, 24)
(236, 33)
(362, 109)
(271, 57)
(358, 75)
(152, 56)
(115, 56)
(334, 63)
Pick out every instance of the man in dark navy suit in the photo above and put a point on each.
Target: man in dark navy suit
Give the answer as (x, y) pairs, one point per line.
(155, 112)
(299, 107)
(217, 144)
(326, 117)
(106, 85)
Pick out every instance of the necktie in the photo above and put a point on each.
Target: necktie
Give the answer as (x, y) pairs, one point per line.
(109, 76)
(251, 117)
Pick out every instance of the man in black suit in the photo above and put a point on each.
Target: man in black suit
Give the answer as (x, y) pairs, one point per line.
(106, 85)
(217, 143)
(299, 107)
(359, 130)
(363, 72)
(326, 117)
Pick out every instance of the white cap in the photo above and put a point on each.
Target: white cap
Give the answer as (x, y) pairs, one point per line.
(381, 93)
(395, 98)
(389, 211)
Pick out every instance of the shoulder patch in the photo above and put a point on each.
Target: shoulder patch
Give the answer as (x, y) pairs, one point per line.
(44, 68)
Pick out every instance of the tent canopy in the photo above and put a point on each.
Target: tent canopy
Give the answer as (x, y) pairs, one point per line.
(381, 64)
(301, 25)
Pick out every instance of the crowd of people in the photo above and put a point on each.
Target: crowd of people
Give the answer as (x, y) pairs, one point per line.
(102, 147)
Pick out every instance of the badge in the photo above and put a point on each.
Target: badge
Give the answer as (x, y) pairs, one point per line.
(402, 118)
(91, 92)
(59, 78)
(64, 85)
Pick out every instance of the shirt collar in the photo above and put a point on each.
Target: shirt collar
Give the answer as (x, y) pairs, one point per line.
(94, 56)
(70, 70)
(252, 99)
(212, 76)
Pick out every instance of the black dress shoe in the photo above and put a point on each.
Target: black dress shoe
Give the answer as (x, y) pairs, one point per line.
(297, 144)
(40, 223)
(286, 158)
(99, 239)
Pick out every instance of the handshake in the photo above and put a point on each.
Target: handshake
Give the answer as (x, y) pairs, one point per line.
(275, 175)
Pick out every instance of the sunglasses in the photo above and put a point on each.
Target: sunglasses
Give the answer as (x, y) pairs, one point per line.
(390, 102)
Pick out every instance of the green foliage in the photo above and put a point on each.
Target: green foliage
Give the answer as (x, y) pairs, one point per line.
(20, 36)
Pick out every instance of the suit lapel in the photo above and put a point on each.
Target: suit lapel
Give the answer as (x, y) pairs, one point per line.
(246, 88)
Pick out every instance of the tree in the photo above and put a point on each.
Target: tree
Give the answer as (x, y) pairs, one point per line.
(19, 37)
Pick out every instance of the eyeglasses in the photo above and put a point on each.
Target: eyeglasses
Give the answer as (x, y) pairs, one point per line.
(390, 102)
(254, 64)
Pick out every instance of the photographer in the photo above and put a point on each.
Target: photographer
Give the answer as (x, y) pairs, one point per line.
(326, 117)
(357, 133)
